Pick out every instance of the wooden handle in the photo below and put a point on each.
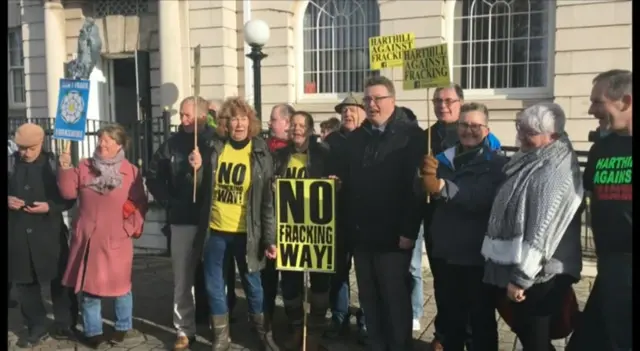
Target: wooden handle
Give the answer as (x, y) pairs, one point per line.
(430, 134)
(196, 103)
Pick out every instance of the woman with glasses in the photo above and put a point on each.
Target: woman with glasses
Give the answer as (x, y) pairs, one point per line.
(462, 182)
(532, 245)
(304, 157)
(238, 219)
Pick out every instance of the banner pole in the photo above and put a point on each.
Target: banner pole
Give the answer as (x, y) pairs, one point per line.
(429, 141)
(196, 94)
(306, 311)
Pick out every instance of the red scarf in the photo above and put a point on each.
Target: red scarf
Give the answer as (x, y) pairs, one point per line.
(276, 143)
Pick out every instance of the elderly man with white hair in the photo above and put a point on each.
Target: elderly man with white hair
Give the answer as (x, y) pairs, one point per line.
(532, 245)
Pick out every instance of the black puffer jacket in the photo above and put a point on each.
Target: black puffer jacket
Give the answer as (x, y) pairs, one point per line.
(169, 177)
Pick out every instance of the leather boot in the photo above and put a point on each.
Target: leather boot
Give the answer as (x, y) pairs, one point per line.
(295, 315)
(220, 326)
(265, 340)
(318, 312)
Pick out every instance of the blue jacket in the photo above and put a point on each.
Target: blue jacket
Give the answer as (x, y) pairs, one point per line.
(491, 142)
(463, 206)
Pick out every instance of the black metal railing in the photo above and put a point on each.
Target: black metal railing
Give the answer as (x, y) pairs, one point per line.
(146, 136)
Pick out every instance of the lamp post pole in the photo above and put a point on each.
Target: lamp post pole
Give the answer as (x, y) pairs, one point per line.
(256, 55)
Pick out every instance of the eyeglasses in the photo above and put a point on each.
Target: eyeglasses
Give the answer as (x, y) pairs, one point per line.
(473, 127)
(526, 132)
(376, 99)
(447, 102)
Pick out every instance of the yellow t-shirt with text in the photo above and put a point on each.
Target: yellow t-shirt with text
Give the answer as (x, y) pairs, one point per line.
(231, 190)
(297, 167)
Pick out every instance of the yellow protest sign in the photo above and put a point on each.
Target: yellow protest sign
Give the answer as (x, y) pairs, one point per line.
(426, 67)
(305, 225)
(387, 51)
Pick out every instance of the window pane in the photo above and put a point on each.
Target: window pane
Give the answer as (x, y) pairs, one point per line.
(17, 80)
(500, 43)
(336, 52)
(15, 48)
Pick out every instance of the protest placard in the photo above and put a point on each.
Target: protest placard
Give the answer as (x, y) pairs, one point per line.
(305, 225)
(426, 67)
(71, 115)
(387, 51)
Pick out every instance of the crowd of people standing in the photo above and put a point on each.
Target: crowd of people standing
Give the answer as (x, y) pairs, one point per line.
(495, 229)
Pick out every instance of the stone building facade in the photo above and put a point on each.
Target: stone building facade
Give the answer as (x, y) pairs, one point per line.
(507, 54)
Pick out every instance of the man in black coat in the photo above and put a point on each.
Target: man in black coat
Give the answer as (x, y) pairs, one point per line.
(379, 180)
(352, 114)
(38, 238)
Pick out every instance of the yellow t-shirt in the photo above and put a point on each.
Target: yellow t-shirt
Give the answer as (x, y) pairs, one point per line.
(297, 167)
(230, 192)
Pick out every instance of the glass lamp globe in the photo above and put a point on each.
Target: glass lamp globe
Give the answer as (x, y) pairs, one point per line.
(256, 32)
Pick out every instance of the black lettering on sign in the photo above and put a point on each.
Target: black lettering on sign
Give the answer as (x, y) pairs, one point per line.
(295, 172)
(321, 212)
(289, 254)
(291, 196)
(318, 208)
(230, 173)
(305, 247)
(305, 222)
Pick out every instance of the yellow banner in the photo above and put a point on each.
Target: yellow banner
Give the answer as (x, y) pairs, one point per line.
(426, 67)
(306, 225)
(387, 51)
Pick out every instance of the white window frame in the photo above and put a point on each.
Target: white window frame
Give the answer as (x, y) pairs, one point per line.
(507, 93)
(299, 41)
(10, 69)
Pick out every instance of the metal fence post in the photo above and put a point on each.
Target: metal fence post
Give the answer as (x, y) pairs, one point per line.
(166, 121)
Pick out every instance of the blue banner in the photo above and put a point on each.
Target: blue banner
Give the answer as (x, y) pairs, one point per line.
(71, 115)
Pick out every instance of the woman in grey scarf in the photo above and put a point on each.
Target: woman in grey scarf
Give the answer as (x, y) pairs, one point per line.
(532, 246)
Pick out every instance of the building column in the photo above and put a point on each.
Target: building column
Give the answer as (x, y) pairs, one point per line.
(55, 51)
(171, 70)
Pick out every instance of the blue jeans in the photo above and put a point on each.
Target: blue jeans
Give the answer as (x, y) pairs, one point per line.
(417, 300)
(215, 271)
(340, 294)
(92, 313)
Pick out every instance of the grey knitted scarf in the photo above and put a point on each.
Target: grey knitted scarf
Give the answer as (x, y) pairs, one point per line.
(108, 172)
(534, 206)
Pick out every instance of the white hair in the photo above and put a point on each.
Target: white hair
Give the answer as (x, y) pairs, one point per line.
(544, 118)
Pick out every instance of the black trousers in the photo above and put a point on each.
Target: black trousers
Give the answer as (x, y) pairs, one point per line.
(606, 321)
(467, 301)
(532, 317)
(269, 276)
(384, 285)
(65, 306)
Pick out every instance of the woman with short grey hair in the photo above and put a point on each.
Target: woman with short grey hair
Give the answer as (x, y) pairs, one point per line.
(532, 246)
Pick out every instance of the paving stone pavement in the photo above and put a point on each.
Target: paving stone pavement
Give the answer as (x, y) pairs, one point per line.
(152, 294)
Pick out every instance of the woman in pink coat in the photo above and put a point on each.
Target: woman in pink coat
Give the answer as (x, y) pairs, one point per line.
(112, 205)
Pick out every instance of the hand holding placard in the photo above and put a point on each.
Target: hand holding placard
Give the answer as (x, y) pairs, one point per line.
(195, 160)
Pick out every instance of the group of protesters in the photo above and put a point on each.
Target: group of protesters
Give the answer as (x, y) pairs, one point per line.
(498, 231)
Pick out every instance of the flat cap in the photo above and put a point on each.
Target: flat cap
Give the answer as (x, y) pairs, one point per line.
(29, 134)
(350, 100)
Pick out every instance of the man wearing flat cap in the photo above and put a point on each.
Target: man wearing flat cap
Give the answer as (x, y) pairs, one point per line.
(352, 115)
(37, 238)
